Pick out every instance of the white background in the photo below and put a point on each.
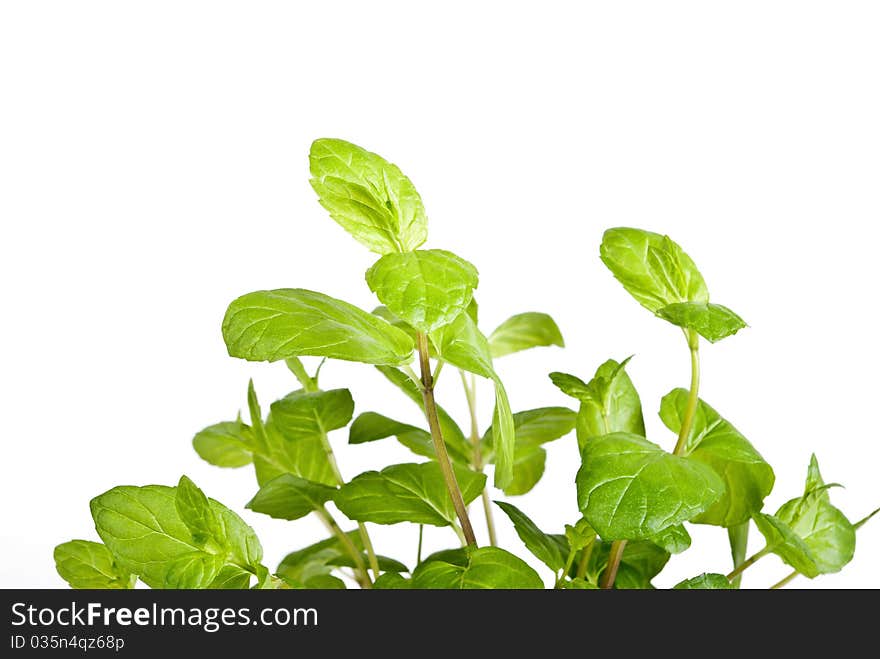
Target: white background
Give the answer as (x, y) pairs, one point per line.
(153, 166)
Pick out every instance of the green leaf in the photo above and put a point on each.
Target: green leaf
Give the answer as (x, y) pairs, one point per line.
(609, 402)
(367, 196)
(711, 321)
(542, 546)
(256, 415)
(370, 426)
(306, 414)
(524, 331)
(292, 322)
(86, 564)
(310, 566)
(631, 489)
(290, 497)
(580, 535)
(653, 268)
(640, 563)
(226, 444)
(748, 479)
(406, 493)
(580, 584)
(705, 581)
(504, 443)
(531, 429)
(143, 530)
(674, 539)
(392, 581)
(426, 289)
(196, 512)
(231, 577)
(386, 564)
(452, 434)
(483, 568)
(785, 543)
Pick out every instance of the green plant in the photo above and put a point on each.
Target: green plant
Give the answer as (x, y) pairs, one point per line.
(634, 496)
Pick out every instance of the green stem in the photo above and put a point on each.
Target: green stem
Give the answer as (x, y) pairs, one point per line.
(349, 546)
(460, 534)
(614, 557)
(751, 560)
(368, 545)
(585, 559)
(739, 540)
(296, 367)
(419, 551)
(439, 443)
(470, 393)
(783, 582)
(693, 395)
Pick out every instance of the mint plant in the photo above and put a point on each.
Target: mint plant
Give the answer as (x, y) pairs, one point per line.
(635, 497)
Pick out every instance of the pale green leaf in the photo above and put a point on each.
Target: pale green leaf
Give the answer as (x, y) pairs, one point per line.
(291, 322)
(225, 444)
(231, 577)
(524, 331)
(197, 513)
(367, 196)
(196, 569)
(370, 426)
(631, 489)
(711, 321)
(705, 581)
(290, 497)
(674, 539)
(305, 414)
(483, 568)
(86, 564)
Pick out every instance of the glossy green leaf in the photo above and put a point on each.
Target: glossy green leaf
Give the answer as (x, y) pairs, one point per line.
(86, 564)
(711, 321)
(674, 539)
(542, 546)
(427, 289)
(631, 489)
(290, 497)
(524, 331)
(197, 513)
(406, 493)
(143, 530)
(291, 322)
(705, 581)
(609, 402)
(231, 577)
(367, 196)
(483, 568)
(652, 268)
(225, 444)
(748, 479)
(370, 426)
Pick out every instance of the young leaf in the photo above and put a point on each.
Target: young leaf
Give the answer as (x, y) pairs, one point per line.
(543, 547)
(370, 426)
(483, 568)
(144, 532)
(524, 331)
(653, 268)
(196, 512)
(225, 444)
(715, 442)
(290, 497)
(426, 289)
(291, 322)
(367, 196)
(785, 543)
(85, 564)
(631, 489)
(711, 321)
(609, 402)
(705, 581)
(406, 493)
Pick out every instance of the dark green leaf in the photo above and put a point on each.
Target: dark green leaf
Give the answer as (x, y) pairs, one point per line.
(427, 289)
(711, 321)
(544, 548)
(483, 568)
(631, 489)
(86, 564)
(291, 322)
(524, 331)
(367, 196)
(705, 581)
(406, 493)
(290, 497)
(748, 479)
(653, 268)
(226, 444)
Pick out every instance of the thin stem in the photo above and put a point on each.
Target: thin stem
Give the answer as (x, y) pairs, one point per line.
(785, 581)
(411, 374)
(470, 393)
(439, 443)
(296, 367)
(694, 393)
(419, 551)
(368, 545)
(614, 557)
(585, 559)
(343, 538)
(739, 540)
(751, 560)
(460, 534)
(437, 370)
